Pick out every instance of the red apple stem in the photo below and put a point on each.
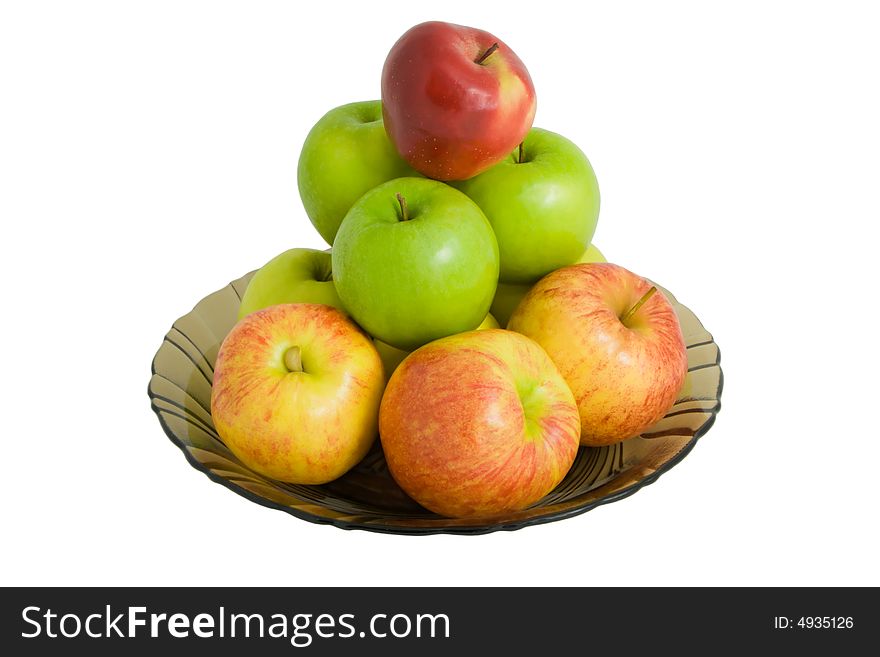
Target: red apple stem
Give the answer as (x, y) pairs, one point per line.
(404, 211)
(293, 359)
(482, 58)
(641, 302)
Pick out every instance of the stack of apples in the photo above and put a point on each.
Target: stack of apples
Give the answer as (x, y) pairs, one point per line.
(442, 203)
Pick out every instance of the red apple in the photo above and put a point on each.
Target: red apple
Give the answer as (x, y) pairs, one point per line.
(615, 339)
(296, 392)
(478, 424)
(455, 100)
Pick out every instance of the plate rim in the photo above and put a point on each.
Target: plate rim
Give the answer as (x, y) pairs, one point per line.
(428, 531)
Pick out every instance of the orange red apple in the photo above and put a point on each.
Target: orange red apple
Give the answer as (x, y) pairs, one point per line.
(478, 424)
(296, 392)
(617, 343)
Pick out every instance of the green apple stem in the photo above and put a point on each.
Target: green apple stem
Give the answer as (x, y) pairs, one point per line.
(641, 302)
(293, 359)
(520, 156)
(404, 211)
(482, 58)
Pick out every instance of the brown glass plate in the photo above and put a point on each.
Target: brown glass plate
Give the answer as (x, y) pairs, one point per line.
(367, 497)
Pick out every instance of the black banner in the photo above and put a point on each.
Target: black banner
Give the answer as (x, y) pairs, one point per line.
(406, 621)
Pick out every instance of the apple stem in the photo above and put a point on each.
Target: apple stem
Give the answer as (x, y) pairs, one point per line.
(641, 302)
(293, 359)
(519, 160)
(404, 211)
(482, 58)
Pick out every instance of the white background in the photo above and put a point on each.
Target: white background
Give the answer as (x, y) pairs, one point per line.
(148, 155)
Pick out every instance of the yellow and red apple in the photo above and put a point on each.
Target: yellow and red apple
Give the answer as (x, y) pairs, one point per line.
(478, 424)
(616, 340)
(456, 100)
(296, 392)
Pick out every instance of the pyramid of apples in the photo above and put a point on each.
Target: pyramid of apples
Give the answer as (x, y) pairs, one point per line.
(442, 203)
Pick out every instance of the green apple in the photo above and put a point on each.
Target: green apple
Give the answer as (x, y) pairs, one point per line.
(415, 260)
(392, 356)
(543, 204)
(592, 254)
(508, 295)
(295, 276)
(345, 154)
